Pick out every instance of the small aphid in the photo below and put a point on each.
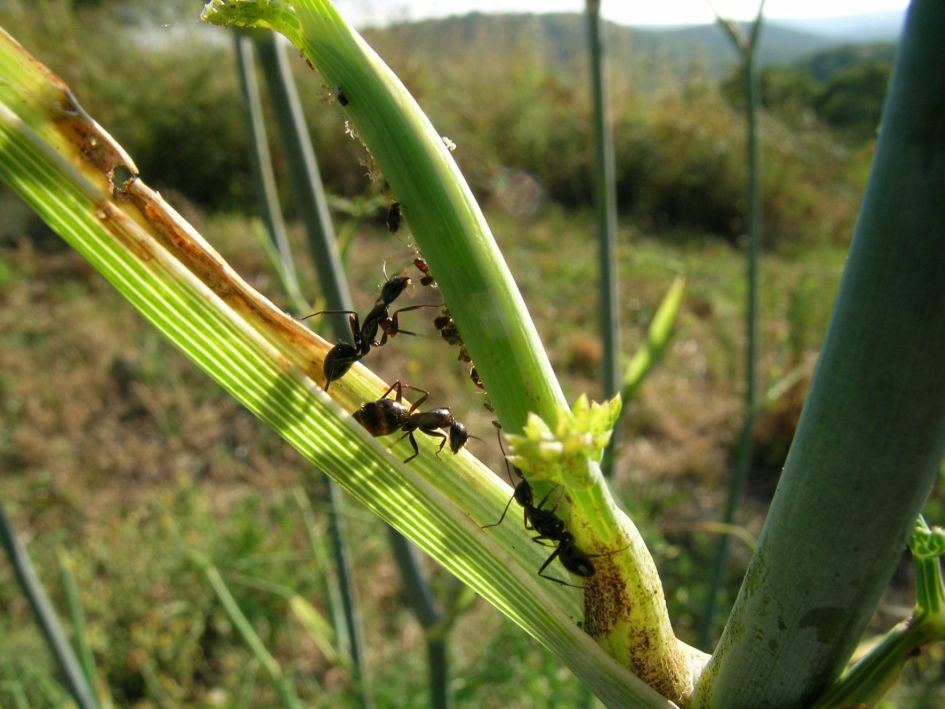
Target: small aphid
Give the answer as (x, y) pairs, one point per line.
(341, 96)
(474, 375)
(422, 266)
(393, 217)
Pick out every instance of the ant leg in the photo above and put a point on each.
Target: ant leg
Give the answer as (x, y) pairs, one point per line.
(508, 472)
(413, 442)
(327, 312)
(540, 505)
(436, 434)
(419, 401)
(396, 385)
(554, 555)
(415, 307)
(496, 524)
(391, 324)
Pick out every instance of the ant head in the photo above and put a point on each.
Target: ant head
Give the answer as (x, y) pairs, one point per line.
(458, 436)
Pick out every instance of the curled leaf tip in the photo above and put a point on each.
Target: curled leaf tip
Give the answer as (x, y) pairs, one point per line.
(261, 14)
(926, 542)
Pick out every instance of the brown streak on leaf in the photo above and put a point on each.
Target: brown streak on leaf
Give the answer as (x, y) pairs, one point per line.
(120, 226)
(305, 349)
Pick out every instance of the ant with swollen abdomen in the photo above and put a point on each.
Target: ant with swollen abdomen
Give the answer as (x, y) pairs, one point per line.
(385, 416)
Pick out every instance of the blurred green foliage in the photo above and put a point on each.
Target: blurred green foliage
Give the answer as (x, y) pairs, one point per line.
(168, 91)
(842, 89)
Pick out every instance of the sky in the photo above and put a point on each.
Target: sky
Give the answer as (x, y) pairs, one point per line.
(628, 12)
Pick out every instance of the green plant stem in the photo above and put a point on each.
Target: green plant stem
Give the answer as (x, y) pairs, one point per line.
(870, 678)
(743, 455)
(261, 161)
(872, 432)
(32, 588)
(605, 204)
(308, 191)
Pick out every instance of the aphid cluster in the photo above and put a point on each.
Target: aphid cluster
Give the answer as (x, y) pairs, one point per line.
(446, 326)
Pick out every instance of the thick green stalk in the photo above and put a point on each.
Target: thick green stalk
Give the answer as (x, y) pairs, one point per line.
(310, 198)
(748, 49)
(46, 618)
(872, 431)
(605, 204)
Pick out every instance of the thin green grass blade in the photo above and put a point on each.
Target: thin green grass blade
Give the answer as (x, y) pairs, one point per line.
(46, 616)
(605, 205)
(81, 183)
(77, 621)
(747, 49)
(319, 630)
(282, 684)
(658, 337)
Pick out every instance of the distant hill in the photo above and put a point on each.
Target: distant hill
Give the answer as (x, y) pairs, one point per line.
(560, 39)
(871, 27)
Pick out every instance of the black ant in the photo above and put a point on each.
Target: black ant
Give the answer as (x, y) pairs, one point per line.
(393, 217)
(343, 355)
(386, 416)
(572, 558)
(549, 526)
